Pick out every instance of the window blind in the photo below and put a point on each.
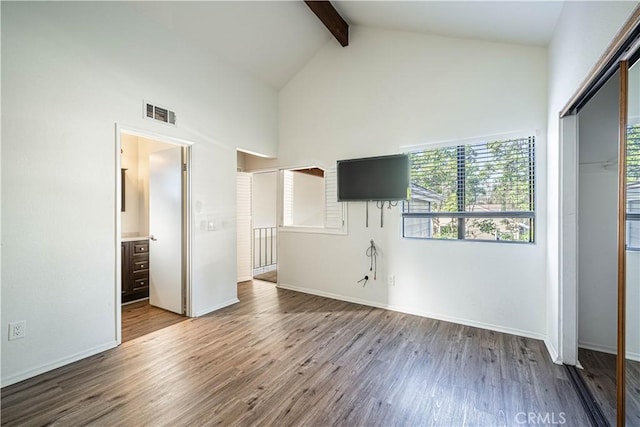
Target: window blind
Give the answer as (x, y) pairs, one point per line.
(482, 191)
(333, 210)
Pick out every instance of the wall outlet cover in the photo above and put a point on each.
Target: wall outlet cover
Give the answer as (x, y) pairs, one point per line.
(17, 330)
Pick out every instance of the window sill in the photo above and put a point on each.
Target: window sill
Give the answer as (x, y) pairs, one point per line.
(508, 242)
(313, 230)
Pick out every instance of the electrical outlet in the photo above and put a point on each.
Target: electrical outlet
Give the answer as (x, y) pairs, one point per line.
(17, 330)
(391, 280)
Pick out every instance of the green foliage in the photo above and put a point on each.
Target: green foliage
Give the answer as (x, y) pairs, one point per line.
(496, 176)
(633, 154)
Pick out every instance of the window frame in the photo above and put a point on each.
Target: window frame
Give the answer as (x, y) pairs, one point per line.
(460, 183)
(330, 194)
(632, 215)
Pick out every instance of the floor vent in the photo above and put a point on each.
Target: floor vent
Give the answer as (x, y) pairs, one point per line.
(159, 113)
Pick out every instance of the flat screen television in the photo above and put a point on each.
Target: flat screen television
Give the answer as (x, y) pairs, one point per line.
(373, 178)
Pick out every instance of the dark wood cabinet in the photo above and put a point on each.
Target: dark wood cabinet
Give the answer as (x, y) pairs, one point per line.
(135, 270)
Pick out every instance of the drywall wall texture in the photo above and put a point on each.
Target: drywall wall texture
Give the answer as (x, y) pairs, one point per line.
(391, 89)
(583, 32)
(264, 188)
(308, 200)
(130, 161)
(71, 72)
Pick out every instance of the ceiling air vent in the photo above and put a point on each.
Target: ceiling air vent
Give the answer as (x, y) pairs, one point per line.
(159, 113)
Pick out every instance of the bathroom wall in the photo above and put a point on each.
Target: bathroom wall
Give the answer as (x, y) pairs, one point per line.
(129, 161)
(135, 158)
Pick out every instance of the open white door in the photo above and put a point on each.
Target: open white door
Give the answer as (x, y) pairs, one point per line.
(165, 228)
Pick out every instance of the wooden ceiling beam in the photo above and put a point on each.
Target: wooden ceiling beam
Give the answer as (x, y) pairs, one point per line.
(331, 19)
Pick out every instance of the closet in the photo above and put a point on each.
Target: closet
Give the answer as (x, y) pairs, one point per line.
(606, 116)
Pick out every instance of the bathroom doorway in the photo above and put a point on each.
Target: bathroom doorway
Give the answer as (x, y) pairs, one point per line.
(152, 238)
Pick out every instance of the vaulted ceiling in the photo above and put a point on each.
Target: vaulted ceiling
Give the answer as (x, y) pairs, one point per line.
(273, 40)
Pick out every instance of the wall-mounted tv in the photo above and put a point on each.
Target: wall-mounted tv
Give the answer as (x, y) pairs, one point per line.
(373, 178)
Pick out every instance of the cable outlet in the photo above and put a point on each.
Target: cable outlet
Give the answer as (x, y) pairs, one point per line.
(17, 330)
(391, 280)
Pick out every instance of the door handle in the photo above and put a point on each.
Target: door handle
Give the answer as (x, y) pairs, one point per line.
(152, 238)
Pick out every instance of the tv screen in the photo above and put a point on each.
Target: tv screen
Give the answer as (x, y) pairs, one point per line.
(373, 178)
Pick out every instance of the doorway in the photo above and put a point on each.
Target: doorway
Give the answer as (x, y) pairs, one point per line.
(152, 233)
(598, 123)
(257, 238)
(264, 232)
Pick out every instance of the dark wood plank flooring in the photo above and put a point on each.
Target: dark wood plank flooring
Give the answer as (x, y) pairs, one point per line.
(599, 374)
(140, 318)
(284, 358)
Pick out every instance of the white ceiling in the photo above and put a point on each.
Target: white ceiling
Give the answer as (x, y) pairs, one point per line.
(522, 22)
(273, 40)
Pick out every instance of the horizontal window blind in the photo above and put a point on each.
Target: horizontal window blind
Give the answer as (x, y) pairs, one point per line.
(287, 198)
(480, 191)
(633, 188)
(633, 166)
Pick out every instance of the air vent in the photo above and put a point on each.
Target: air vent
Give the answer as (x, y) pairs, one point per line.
(161, 114)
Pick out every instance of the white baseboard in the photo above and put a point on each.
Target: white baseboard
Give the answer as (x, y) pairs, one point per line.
(553, 352)
(135, 301)
(607, 349)
(420, 313)
(216, 307)
(29, 373)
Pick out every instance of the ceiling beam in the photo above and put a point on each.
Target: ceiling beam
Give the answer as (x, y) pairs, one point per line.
(331, 19)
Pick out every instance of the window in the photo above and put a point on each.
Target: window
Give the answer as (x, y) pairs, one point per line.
(309, 201)
(473, 192)
(633, 188)
(303, 197)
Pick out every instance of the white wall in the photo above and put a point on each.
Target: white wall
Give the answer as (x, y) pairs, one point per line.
(145, 148)
(135, 158)
(308, 200)
(597, 220)
(264, 187)
(70, 72)
(390, 89)
(633, 307)
(130, 225)
(582, 34)
(240, 161)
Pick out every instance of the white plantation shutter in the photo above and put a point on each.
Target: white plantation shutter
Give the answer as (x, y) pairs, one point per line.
(287, 199)
(333, 210)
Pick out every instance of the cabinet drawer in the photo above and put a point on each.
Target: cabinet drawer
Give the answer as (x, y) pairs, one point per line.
(140, 247)
(141, 265)
(141, 284)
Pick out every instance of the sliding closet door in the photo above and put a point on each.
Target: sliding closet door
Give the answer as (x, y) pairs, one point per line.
(629, 288)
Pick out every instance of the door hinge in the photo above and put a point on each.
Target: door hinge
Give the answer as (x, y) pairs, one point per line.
(184, 167)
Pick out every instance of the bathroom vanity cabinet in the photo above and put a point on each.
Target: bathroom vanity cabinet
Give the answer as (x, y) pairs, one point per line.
(135, 270)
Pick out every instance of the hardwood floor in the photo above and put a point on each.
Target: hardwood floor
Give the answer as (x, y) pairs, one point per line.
(285, 358)
(599, 374)
(140, 318)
